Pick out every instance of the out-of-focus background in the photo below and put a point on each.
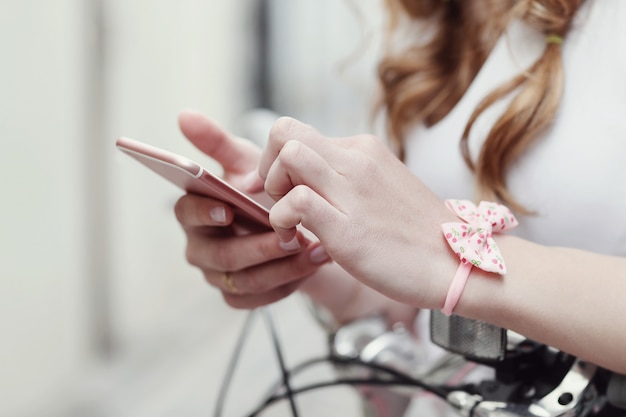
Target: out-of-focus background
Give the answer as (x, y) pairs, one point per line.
(99, 313)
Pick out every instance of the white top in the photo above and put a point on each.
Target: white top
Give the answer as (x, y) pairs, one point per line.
(574, 177)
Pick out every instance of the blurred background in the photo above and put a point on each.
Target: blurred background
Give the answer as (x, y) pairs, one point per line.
(99, 313)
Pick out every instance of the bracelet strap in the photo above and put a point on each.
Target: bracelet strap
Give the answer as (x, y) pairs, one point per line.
(473, 243)
(456, 288)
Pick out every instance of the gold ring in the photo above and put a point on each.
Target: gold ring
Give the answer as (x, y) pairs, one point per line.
(228, 283)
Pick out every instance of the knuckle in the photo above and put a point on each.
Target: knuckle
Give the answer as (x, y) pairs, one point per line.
(292, 150)
(293, 154)
(369, 145)
(370, 142)
(273, 192)
(301, 197)
(365, 142)
(281, 128)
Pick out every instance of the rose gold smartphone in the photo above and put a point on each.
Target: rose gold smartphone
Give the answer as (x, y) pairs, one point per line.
(193, 178)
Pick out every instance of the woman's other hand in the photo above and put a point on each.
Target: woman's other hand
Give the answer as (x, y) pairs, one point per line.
(251, 269)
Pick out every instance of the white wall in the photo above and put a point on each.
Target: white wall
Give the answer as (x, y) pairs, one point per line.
(168, 56)
(41, 308)
(71, 227)
(323, 61)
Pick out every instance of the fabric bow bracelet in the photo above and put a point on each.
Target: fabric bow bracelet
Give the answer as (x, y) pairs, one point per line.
(473, 243)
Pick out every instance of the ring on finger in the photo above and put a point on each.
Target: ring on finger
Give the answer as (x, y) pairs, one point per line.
(229, 284)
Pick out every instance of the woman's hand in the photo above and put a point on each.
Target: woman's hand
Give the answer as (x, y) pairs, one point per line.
(382, 225)
(372, 215)
(250, 269)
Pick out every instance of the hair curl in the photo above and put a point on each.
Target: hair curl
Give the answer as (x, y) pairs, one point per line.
(422, 83)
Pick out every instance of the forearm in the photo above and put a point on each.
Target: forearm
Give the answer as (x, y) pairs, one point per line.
(566, 298)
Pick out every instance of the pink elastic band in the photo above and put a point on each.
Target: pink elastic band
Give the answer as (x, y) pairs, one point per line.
(472, 242)
(456, 288)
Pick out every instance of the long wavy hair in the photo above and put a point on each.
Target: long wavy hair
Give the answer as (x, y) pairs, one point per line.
(424, 81)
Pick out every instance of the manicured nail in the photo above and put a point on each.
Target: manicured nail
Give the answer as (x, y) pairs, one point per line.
(319, 255)
(218, 214)
(292, 245)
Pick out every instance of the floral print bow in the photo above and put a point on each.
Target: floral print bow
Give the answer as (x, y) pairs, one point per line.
(472, 241)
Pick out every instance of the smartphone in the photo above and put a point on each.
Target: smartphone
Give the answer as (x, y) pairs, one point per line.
(193, 178)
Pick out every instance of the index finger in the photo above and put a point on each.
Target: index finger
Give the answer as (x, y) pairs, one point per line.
(236, 155)
(284, 130)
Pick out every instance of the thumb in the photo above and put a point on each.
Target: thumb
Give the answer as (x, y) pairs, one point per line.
(235, 155)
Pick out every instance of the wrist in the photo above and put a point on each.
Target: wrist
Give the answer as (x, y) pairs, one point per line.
(492, 298)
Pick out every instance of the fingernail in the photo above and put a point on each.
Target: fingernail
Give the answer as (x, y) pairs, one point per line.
(292, 245)
(218, 214)
(319, 255)
(252, 183)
